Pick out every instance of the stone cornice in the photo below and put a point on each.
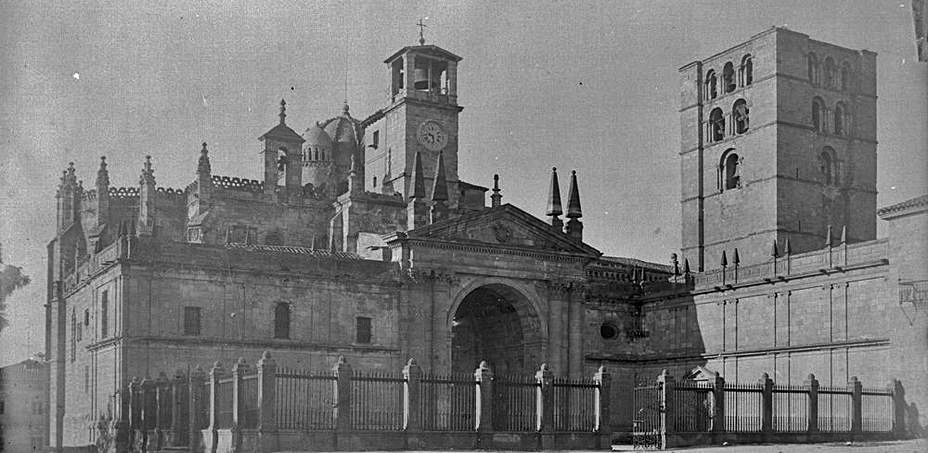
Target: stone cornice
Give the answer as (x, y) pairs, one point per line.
(233, 343)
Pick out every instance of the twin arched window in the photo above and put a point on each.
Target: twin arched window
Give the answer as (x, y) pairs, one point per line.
(747, 70)
(840, 117)
(818, 114)
(835, 78)
(282, 320)
(717, 124)
(830, 73)
(730, 170)
(812, 63)
(839, 122)
(728, 77)
(740, 116)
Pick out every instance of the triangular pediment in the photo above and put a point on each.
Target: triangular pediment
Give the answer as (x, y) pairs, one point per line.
(503, 226)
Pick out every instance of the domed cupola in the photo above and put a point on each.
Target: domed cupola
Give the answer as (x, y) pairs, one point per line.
(317, 158)
(345, 134)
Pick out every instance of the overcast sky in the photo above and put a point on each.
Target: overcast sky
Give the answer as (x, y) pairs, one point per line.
(591, 86)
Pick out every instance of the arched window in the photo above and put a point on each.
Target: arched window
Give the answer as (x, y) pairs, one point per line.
(316, 154)
(747, 70)
(711, 85)
(282, 162)
(830, 73)
(828, 166)
(813, 68)
(728, 77)
(282, 320)
(730, 169)
(717, 124)
(740, 114)
(840, 124)
(845, 76)
(818, 115)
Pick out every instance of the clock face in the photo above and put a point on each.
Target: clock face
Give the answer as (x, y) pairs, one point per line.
(432, 136)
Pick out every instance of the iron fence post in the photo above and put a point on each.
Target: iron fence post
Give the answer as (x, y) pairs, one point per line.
(899, 408)
(342, 410)
(601, 395)
(194, 400)
(267, 403)
(483, 376)
(412, 417)
(856, 413)
(812, 384)
(667, 383)
(544, 399)
(766, 420)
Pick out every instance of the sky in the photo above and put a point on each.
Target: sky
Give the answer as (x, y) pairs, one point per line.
(591, 86)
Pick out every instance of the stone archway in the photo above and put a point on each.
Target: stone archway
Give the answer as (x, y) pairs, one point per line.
(496, 323)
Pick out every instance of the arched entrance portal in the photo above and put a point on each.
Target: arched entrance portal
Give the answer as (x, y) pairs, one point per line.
(498, 324)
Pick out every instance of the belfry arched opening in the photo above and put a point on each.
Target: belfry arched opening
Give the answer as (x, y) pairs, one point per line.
(497, 324)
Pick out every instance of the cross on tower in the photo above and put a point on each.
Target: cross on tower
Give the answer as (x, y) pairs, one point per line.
(422, 27)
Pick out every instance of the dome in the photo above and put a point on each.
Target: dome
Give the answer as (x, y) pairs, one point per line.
(344, 129)
(315, 136)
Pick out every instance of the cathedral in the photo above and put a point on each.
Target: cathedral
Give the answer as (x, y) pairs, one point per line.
(361, 241)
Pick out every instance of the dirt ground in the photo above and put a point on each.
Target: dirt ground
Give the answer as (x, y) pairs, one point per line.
(906, 446)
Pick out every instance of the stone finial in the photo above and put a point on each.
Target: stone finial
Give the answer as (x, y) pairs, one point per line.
(148, 174)
(736, 259)
(573, 198)
(774, 252)
(554, 197)
(203, 166)
(786, 248)
(346, 111)
(496, 198)
(283, 112)
(103, 177)
(686, 266)
(724, 261)
(828, 236)
(417, 191)
(844, 234)
(675, 262)
(440, 188)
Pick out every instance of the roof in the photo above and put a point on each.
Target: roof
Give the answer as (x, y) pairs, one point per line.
(468, 186)
(913, 205)
(290, 250)
(633, 262)
(429, 49)
(282, 131)
(315, 135)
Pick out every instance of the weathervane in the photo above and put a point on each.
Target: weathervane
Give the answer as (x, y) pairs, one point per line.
(422, 27)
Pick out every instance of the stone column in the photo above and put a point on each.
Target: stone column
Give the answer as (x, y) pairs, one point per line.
(544, 399)
(267, 403)
(412, 418)
(214, 375)
(602, 396)
(342, 397)
(667, 410)
(766, 421)
(856, 413)
(812, 384)
(484, 414)
(238, 405)
(718, 403)
(195, 397)
(899, 408)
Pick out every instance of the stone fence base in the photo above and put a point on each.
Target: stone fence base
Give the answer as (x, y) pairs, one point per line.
(677, 440)
(228, 441)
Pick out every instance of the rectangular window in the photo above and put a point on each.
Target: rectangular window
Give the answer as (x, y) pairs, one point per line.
(104, 314)
(375, 140)
(192, 321)
(363, 330)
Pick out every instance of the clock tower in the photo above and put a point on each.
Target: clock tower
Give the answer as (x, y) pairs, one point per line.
(422, 117)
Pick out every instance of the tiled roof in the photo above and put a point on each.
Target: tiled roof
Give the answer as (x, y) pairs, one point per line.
(283, 249)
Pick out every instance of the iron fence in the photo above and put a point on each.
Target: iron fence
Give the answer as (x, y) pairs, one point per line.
(574, 404)
(304, 399)
(377, 401)
(646, 418)
(876, 410)
(448, 402)
(791, 408)
(249, 402)
(834, 409)
(514, 405)
(743, 407)
(224, 410)
(692, 404)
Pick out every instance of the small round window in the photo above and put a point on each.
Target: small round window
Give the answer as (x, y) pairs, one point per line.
(608, 331)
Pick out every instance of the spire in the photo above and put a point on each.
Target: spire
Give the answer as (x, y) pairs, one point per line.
(103, 176)
(345, 109)
(774, 252)
(686, 266)
(554, 197)
(786, 248)
(496, 197)
(724, 259)
(573, 198)
(418, 183)
(203, 166)
(148, 174)
(283, 112)
(736, 259)
(675, 262)
(440, 189)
